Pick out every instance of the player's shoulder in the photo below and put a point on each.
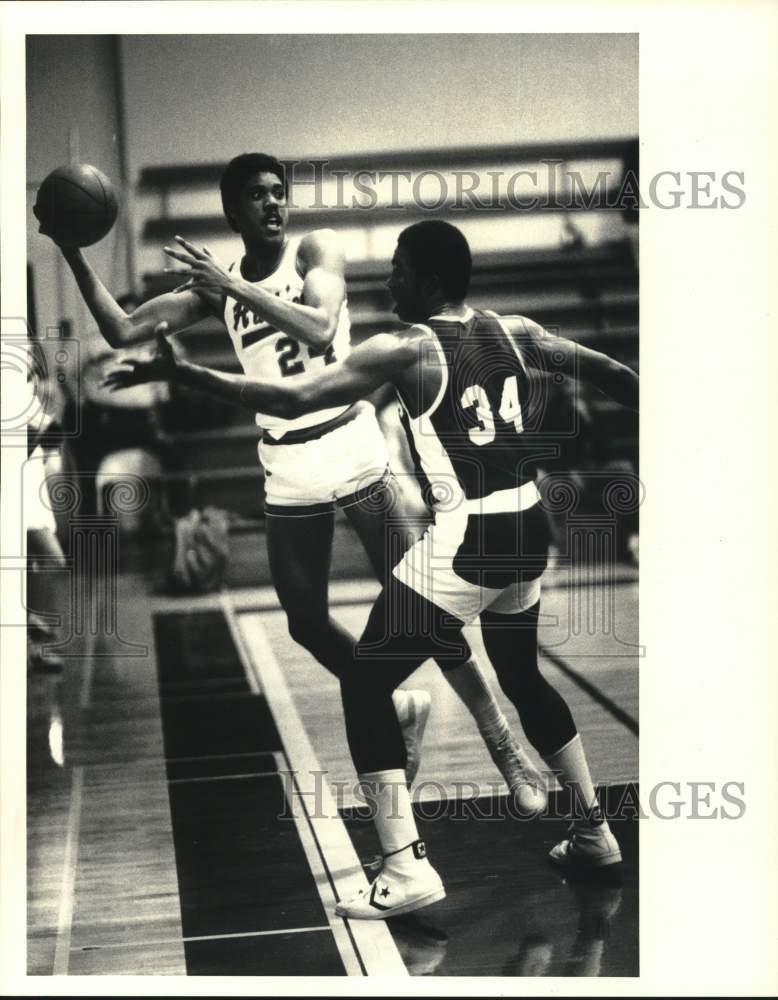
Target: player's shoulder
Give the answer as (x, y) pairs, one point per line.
(320, 237)
(518, 325)
(419, 331)
(399, 347)
(413, 342)
(395, 340)
(320, 247)
(412, 337)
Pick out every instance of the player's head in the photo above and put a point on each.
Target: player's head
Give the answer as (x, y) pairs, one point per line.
(430, 268)
(254, 193)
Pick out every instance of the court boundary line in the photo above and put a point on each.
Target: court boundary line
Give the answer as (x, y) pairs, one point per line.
(317, 863)
(218, 756)
(348, 593)
(126, 945)
(67, 897)
(372, 940)
(87, 678)
(321, 876)
(592, 690)
(244, 654)
(355, 590)
(222, 777)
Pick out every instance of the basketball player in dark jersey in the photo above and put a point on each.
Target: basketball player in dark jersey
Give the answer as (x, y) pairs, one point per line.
(471, 387)
(283, 304)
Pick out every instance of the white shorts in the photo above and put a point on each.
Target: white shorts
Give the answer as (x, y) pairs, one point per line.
(459, 543)
(331, 467)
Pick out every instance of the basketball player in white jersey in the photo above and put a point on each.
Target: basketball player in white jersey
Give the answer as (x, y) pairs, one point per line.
(469, 383)
(283, 304)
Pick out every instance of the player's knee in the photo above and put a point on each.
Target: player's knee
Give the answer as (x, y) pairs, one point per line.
(307, 630)
(358, 698)
(365, 680)
(453, 652)
(519, 679)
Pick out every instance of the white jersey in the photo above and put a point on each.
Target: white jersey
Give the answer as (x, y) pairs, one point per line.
(270, 354)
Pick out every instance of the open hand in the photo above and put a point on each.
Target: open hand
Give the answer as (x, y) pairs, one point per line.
(204, 271)
(160, 367)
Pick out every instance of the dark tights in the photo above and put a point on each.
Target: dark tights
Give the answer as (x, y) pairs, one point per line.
(300, 551)
(511, 643)
(386, 655)
(403, 630)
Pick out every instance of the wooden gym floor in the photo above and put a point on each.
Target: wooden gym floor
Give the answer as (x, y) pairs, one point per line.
(191, 807)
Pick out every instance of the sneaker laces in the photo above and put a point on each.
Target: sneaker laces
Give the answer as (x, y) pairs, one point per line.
(508, 746)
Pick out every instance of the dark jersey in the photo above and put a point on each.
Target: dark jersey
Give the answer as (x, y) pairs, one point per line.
(479, 435)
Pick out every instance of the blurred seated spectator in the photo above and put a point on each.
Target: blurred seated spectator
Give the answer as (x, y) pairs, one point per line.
(129, 462)
(108, 422)
(46, 583)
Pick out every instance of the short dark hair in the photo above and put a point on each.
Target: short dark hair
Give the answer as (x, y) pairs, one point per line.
(238, 171)
(437, 247)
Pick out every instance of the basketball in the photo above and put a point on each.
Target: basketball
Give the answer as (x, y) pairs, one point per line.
(76, 206)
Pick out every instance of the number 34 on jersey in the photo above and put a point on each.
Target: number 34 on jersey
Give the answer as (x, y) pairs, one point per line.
(474, 397)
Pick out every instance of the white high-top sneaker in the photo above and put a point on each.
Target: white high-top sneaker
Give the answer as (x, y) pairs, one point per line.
(399, 888)
(590, 845)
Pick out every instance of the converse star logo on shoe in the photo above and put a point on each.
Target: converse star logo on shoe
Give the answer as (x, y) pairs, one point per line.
(410, 892)
(373, 901)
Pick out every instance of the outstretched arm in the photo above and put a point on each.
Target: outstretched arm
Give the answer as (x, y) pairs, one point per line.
(545, 352)
(380, 359)
(313, 320)
(121, 329)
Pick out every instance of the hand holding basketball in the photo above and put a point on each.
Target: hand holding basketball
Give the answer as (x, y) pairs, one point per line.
(76, 206)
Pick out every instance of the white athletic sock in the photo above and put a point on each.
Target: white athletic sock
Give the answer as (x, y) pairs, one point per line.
(570, 766)
(472, 688)
(389, 799)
